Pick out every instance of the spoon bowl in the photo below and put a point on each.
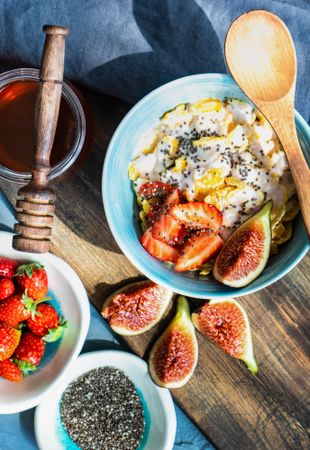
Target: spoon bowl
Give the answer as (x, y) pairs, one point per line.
(263, 34)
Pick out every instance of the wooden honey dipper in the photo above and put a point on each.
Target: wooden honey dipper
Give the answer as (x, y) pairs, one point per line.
(36, 205)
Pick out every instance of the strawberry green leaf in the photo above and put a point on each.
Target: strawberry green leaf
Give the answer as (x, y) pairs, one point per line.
(31, 305)
(28, 269)
(25, 366)
(55, 333)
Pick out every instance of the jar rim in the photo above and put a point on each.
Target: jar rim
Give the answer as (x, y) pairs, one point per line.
(31, 74)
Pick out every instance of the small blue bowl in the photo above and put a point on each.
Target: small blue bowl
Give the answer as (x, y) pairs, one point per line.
(119, 198)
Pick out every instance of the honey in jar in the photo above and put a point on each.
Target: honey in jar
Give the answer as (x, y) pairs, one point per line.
(17, 106)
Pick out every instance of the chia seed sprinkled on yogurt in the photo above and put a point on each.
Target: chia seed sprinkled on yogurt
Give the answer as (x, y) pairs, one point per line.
(101, 410)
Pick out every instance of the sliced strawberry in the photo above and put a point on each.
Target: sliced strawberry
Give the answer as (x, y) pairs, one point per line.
(154, 189)
(198, 250)
(158, 249)
(166, 228)
(172, 199)
(198, 215)
(154, 212)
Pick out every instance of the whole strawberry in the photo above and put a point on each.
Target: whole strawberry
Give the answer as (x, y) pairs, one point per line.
(7, 267)
(29, 352)
(16, 309)
(7, 288)
(9, 340)
(47, 323)
(33, 279)
(10, 371)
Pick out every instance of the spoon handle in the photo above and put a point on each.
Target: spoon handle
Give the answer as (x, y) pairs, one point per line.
(48, 100)
(286, 131)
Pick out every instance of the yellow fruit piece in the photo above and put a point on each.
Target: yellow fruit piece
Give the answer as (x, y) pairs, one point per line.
(263, 122)
(278, 230)
(206, 105)
(213, 200)
(205, 140)
(133, 173)
(180, 164)
(210, 183)
(286, 233)
(179, 110)
(219, 196)
(229, 121)
(276, 215)
(144, 221)
(226, 192)
(235, 182)
(189, 197)
(211, 179)
(206, 268)
(292, 209)
(146, 206)
(231, 125)
(172, 143)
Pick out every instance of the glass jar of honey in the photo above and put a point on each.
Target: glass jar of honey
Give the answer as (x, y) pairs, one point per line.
(18, 89)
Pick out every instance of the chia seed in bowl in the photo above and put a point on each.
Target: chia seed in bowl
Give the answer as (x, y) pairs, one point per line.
(101, 410)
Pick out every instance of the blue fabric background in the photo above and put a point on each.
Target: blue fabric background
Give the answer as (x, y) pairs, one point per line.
(126, 48)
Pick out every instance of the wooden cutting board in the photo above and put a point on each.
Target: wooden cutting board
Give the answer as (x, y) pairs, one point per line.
(235, 409)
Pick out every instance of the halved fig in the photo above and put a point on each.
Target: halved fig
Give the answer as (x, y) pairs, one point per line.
(226, 323)
(136, 308)
(245, 253)
(174, 356)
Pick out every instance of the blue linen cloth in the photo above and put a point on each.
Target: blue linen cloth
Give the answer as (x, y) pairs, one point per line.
(126, 48)
(17, 431)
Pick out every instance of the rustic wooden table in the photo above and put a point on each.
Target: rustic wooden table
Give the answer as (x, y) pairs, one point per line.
(235, 409)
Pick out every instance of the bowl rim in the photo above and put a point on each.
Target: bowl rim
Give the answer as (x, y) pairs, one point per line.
(101, 358)
(232, 292)
(83, 304)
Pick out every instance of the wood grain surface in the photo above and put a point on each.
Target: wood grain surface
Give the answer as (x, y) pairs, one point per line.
(235, 409)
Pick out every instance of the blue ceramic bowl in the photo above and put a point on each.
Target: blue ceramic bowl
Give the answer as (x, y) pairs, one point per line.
(119, 199)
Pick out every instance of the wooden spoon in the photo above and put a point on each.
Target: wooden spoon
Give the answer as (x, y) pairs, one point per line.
(260, 55)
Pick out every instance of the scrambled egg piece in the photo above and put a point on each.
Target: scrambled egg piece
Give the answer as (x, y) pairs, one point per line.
(180, 164)
(133, 172)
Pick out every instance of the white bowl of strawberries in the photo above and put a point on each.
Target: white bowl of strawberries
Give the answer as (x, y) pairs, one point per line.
(44, 319)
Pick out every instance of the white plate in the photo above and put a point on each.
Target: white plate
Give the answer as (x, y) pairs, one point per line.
(157, 402)
(69, 291)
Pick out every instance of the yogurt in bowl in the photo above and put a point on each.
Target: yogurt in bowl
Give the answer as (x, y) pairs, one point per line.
(120, 198)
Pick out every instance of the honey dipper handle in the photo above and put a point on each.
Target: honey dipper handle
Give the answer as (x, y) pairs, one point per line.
(48, 100)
